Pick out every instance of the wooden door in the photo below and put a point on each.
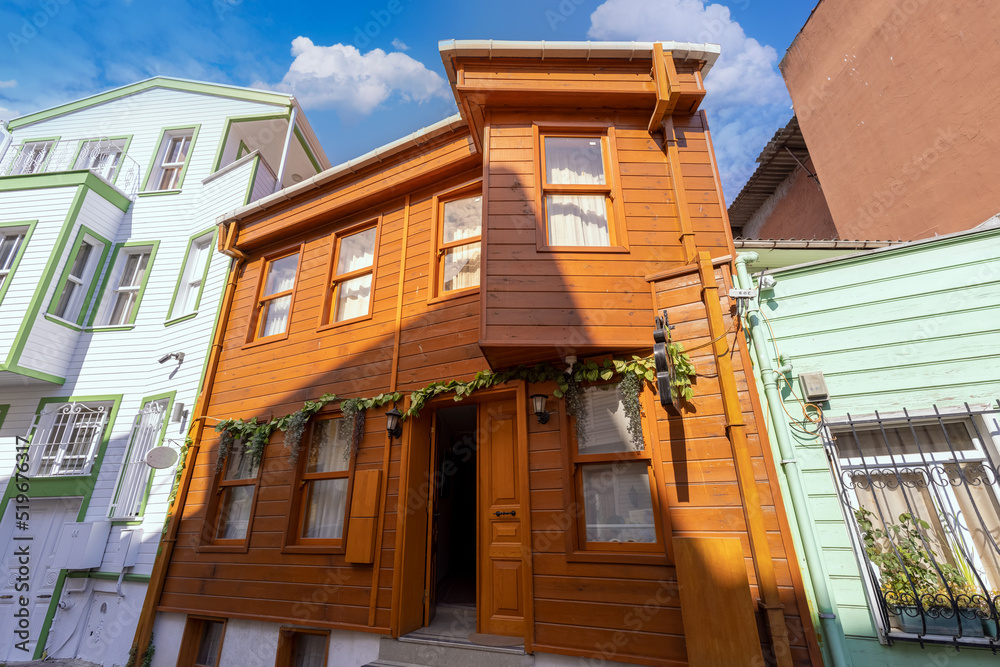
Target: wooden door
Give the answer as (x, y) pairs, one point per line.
(433, 512)
(504, 548)
(411, 542)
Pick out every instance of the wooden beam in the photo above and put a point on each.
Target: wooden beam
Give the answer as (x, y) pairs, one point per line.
(767, 583)
(667, 86)
(680, 195)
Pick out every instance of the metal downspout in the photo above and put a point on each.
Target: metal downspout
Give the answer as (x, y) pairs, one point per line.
(284, 150)
(836, 642)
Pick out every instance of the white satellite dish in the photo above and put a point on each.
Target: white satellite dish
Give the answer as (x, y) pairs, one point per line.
(159, 458)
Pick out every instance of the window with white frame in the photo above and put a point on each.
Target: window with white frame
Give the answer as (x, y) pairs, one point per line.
(133, 477)
(101, 156)
(120, 300)
(32, 158)
(922, 497)
(83, 263)
(170, 160)
(66, 439)
(11, 240)
(193, 276)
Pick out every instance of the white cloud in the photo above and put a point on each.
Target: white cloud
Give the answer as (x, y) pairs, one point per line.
(8, 84)
(341, 77)
(746, 98)
(399, 45)
(7, 114)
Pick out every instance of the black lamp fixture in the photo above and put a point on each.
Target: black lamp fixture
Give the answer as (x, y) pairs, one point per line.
(392, 425)
(538, 402)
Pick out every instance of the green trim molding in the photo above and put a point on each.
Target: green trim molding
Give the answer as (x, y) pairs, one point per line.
(4, 409)
(118, 169)
(65, 179)
(232, 120)
(68, 266)
(170, 396)
(61, 322)
(253, 179)
(217, 90)
(154, 162)
(30, 224)
(107, 576)
(242, 150)
(102, 290)
(213, 230)
(305, 147)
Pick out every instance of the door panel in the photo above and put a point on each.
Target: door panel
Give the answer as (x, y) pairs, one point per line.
(503, 546)
(412, 535)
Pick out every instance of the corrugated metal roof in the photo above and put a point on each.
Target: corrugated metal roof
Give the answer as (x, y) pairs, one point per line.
(775, 165)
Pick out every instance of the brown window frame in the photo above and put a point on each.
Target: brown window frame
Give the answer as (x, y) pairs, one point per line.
(294, 542)
(577, 546)
(210, 529)
(334, 279)
(191, 639)
(286, 644)
(611, 189)
(255, 318)
(436, 291)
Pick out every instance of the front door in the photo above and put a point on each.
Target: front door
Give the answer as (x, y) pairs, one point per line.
(38, 534)
(504, 548)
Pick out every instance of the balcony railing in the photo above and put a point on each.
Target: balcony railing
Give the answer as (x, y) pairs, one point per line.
(102, 156)
(920, 494)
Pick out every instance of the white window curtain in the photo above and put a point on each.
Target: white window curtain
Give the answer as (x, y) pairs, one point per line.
(463, 219)
(310, 650)
(280, 278)
(357, 252)
(327, 498)
(618, 505)
(577, 220)
(461, 267)
(606, 426)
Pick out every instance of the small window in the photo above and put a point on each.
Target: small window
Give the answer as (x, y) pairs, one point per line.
(170, 162)
(33, 158)
(124, 286)
(614, 479)
(302, 648)
(192, 278)
(325, 480)
(351, 285)
(201, 644)
(577, 198)
(66, 439)
(236, 493)
(81, 268)
(459, 243)
(133, 477)
(11, 240)
(274, 306)
(102, 157)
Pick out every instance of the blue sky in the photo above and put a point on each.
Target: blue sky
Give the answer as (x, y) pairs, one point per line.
(368, 71)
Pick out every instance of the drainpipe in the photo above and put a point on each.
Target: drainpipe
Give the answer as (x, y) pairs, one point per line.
(284, 151)
(836, 642)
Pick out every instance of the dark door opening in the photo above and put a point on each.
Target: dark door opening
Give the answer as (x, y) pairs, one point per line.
(453, 552)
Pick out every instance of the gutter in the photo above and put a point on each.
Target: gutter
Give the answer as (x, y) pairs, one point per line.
(380, 154)
(836, 642)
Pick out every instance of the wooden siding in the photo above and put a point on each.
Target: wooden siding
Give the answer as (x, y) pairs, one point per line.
(901, 328)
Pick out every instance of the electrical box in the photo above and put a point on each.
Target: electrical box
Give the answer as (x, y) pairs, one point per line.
(127, 554)
(813, 386)
(81, 545)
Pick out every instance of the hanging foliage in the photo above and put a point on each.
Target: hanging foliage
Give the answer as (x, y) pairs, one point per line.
(635, 372)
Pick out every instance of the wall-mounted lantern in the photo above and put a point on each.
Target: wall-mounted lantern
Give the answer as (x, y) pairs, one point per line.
(538, 405)
(392, 425)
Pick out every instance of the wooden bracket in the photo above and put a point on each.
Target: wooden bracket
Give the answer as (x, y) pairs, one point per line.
(667, 86)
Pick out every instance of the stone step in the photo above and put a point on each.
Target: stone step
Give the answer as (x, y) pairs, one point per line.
(409, 651)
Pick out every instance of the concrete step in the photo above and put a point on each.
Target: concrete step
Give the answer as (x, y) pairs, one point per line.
(409, 651)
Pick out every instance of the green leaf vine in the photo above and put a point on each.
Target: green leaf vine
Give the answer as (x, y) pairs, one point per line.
(634, 372)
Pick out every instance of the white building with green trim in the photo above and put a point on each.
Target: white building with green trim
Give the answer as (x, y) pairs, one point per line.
(110, 288)
(880, 375)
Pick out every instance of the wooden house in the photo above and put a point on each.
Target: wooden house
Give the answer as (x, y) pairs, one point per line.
(572, 200)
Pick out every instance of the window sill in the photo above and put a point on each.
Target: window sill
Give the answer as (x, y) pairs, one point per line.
(658, 558)
(314, 549)
(156, 193)
(125, 327)
(584, 249)
(353, 320)
(456, 294)
(182, 318)
(63, 323)
(264, 341)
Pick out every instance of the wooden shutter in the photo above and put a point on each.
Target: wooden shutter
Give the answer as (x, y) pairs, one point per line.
(364, 517)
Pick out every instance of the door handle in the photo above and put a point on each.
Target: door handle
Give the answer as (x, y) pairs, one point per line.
(511, 513)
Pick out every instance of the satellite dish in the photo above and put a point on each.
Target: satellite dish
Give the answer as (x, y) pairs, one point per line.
(159, 458)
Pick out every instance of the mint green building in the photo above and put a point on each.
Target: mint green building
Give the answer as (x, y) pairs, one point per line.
(879, 372)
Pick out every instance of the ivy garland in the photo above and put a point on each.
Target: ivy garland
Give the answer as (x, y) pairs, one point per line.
(634, 373)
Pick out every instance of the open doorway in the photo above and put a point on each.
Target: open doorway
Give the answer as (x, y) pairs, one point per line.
(453, 531)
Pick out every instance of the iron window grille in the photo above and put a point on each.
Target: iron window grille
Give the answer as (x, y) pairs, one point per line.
(133, 477)
(920, 495)
(66, 440)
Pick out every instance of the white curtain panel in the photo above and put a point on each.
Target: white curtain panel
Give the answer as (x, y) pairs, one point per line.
(353, 297)
(577, 220)
(280, 278)
(574, 160)
(357, 251)
(461, 267)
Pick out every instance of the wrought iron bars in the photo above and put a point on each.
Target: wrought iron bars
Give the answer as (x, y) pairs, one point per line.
(920, 495)
(104, 157)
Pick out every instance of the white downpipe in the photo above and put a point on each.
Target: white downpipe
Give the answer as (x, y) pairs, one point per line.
(284, 151)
